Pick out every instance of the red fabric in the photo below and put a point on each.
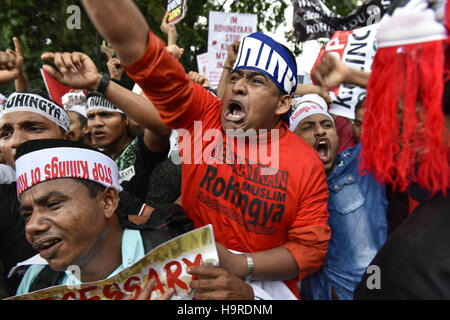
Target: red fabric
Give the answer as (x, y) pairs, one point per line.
(344, 128)
(249, 211)
(55, 88)
(403, 139)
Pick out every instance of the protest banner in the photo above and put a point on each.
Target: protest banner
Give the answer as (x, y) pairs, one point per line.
(177, 10)
(314, 20)
(202, 64)
(166, 264)
(224, 29)
(356, 48)
(54, 88)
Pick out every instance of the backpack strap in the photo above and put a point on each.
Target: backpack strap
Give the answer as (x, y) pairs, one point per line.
(46, 278)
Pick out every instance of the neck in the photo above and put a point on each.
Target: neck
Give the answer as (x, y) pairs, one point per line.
(116, 148)
(104, 257)
(328, 172)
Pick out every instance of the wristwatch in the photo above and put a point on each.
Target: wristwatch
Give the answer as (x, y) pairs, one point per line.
(104, 83)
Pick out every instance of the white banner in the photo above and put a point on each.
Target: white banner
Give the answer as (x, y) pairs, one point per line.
(224, 29)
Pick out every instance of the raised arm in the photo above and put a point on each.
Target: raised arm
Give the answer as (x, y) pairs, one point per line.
(121, 24)
(11, 67)
(169, 29)
(331, 72)
(232, 53)
(77, 70)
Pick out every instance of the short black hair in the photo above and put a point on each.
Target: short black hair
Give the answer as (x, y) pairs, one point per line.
(34, 145)
(93, 187)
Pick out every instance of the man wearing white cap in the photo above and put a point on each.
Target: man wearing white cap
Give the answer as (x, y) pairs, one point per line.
(357, 206)
(275, 213)
(74, 102)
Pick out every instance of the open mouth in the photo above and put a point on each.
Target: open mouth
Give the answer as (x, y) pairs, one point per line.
(234, 112)
(47, 247)
(99, 134)
(323, 149)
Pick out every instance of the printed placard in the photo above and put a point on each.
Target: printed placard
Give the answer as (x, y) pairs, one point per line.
(224, 29)
(177, 10)
(356, 48)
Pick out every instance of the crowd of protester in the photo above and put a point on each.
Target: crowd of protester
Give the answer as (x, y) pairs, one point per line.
(340, 197)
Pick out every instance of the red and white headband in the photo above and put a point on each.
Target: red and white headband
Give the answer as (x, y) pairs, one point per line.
(65, 162)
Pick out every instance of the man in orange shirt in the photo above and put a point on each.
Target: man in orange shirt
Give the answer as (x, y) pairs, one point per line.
(274, 210)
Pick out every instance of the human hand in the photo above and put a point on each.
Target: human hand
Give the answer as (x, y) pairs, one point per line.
(166, 27)
(11, 63)
(175, 50)
(330, 72)
(232, 53)
(218, 284)
(146, 292)
(303, 89)
(75, 69)
(114, 68)
(199, 78)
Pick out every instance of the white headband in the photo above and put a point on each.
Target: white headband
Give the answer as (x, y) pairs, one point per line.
(99, 103)
(65, 162)
(75, 101)
(306, 106)
(35, 103)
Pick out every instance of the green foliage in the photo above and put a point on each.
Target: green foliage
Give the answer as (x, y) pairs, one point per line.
(41, 26)
(341, 7)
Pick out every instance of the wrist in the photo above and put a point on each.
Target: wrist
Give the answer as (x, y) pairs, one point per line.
(95, 83)
(228, 65)
(250, 268)
(105, 81)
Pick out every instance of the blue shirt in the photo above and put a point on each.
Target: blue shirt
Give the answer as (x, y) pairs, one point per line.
(132, 251)
(357, 206)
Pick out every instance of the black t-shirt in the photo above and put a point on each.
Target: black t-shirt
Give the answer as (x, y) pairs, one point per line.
(165, 183)
(414, 263)
(136, 163)
(14, 247)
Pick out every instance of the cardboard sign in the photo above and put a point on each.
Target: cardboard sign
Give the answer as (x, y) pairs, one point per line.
(166, 264)
(357, 49)
(177, 10)
(224, 29)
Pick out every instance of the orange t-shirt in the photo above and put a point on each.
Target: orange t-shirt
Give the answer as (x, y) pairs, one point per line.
(250, 210)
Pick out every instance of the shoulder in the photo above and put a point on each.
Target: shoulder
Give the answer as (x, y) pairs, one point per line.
(295, 148)
(29, 277)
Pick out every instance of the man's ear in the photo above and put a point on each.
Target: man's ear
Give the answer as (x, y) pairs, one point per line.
(284, 104)
(126, 120)
(85, 130)
(110, 197)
